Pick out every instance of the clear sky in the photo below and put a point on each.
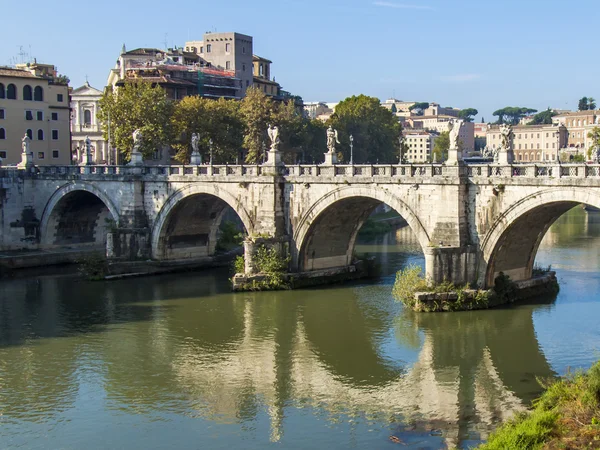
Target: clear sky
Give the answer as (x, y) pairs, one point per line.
(462, 53)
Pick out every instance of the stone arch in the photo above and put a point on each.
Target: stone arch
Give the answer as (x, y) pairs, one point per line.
(75, 214)
(349, 199)
(209, 211)
(511, 244)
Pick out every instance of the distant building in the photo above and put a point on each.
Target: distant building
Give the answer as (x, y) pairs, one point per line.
(319, 110)
(261, 69)
(228, 51)
(532, 143)
(479, 135)
(34, 100)
(398, 107)
(420, 145)
(435, 109)
(439, 124)
(579, 124)
(84, 123)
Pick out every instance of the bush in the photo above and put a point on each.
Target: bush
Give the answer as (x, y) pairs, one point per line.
(93, 267)
(408, 281)
(239, 264)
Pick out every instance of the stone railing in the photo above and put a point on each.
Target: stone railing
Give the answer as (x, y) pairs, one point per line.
(534, 170)
(184, 170)
(371, 170)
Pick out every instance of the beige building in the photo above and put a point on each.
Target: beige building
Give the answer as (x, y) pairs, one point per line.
(420, 145)
(537, 143)
(227, 51)
(479, 135)
(398, 107)
(579, 124)
(435, 109)
(34, 101)
(261, 69)
(439, 124)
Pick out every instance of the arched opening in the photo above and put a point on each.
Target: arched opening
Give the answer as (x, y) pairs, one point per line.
(79, 218)
(2, 91)
(193, 227)
(11, 92)
(29, 133)
(27, 92)
(40, 135)
(38, 94)
(2, 133)
(332, 236)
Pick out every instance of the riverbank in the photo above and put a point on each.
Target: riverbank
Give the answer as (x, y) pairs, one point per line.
(566, 416)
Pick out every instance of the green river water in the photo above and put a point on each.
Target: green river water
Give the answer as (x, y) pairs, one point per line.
(178, 361)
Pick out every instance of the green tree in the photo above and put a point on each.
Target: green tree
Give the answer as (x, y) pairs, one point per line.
(219, 120)
(467, 114)
(591, 103)
(594, 135)
(136, 106)
(257, 112)
(543, 117)
(441, 146)
(418, 108)
(583, 104)
(512, 114)
(375, 130)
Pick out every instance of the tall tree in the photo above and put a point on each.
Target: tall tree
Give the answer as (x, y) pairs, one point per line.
(583, 104)
(512, 114)
(591, 103)
(257, 112)
(375, 129)
(216, 120)
(136, 106)
(467, 114)
(441, 146)
(543, 117)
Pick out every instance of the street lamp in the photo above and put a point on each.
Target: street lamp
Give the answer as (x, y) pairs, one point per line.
(210, 146)
(351, 149)
(400, 142)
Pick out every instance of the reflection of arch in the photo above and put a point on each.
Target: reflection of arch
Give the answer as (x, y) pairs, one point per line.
(511, 243)
(348, 207)
(51, 215)
(213, 195)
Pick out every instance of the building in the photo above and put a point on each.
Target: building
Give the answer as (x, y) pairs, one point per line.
(579, 124)
(435, 109)
(261, 69)
(440, 124)
(537, 143)
(228, 51)
(179, 72)
(420, 145)
(479, 135)
(84, 123)
(319, 110)
(398, 107)
(34, 100)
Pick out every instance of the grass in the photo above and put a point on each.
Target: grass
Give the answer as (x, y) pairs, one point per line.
(566, 416)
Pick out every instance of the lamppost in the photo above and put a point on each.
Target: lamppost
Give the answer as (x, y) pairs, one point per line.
(400, 142)
(351, 149)
(210, 146)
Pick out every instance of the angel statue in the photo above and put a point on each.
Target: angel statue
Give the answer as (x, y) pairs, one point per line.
(195, 142)
(332, 139)
(454, 127)
(505, 136)
(273, 132)
(25, 143)
(137, 139)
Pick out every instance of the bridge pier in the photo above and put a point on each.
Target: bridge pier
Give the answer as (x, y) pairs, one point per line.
(456, 264)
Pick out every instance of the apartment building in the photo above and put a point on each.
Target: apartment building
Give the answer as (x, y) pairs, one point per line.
(34, 100)
(439, 124)
(420, 145)
(532, 143)
(579, 124)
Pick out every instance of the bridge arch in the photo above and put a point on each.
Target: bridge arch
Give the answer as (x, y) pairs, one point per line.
(325, 235)
(77, 213)
(187, 224)
(511, 244)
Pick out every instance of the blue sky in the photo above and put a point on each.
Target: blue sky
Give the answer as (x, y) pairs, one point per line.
(459, 53)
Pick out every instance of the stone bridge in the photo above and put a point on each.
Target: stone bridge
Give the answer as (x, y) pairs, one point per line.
(472, 221)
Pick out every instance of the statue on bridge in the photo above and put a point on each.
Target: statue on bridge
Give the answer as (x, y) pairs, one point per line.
(26, 155)
(506, 136)
(273, 132)
(25, 142)
(195, 158)
(596, 155)
(454, 127)
(137, 139)
(332, 139)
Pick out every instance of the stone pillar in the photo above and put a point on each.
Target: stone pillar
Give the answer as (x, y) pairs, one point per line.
(273, 158)
(195, 159)
(456, 264)
(330, 159)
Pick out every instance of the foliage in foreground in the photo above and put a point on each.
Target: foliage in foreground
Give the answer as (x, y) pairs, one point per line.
(271, 264)
(566, 416)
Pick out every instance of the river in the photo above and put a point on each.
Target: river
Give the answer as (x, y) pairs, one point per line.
(178, 361)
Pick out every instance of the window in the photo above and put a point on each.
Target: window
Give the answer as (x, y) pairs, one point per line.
(2, 133)
(2, 92)
(243, 67)
(208, 48)
(40, 135)
(59, 97)
(201, 49)
(2, 114)
(40, 155)
(55, 153)
(55, 135)
(39, 115)
(3, 154)
(247, 83)
(87, 117)
(28, 115)
(227, 65)
(38, 94)
(244, 50)
(54, 116)
(227, 47)
(29, 133)
(27, 92)
(11, 92)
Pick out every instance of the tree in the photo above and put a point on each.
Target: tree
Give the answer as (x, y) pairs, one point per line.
(418, 108)
(257, 112)
(512, 114)
(467, 114)
(543, 117)
(591, 103)
(218, 120)
(441, 146)
(375, 130)
(135, 106)
(594, 135)
(583, 104)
